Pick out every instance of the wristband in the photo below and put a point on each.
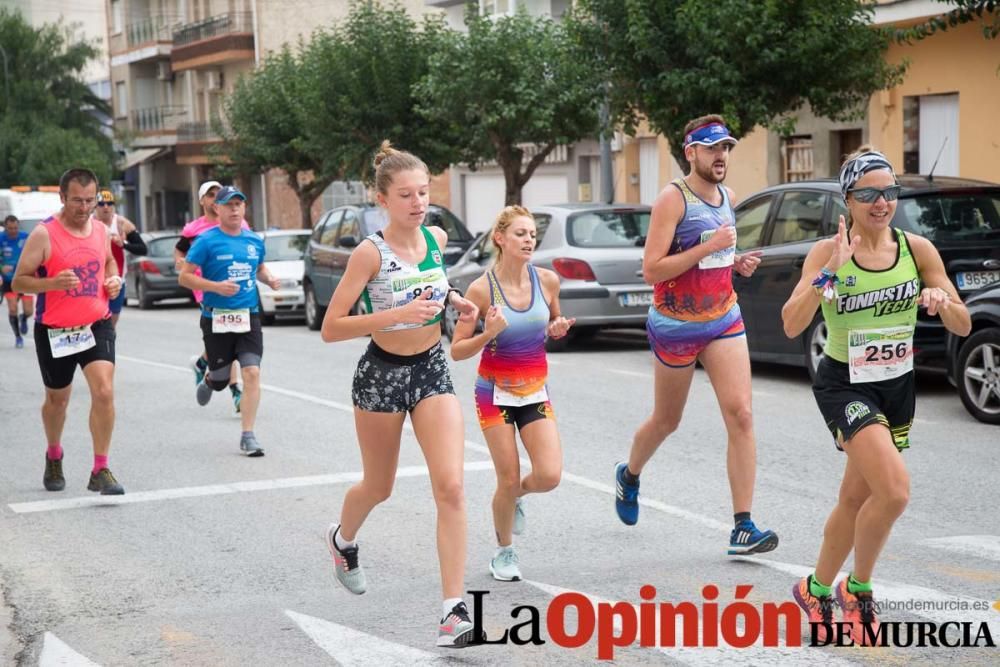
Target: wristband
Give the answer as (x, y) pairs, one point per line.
(825, 284)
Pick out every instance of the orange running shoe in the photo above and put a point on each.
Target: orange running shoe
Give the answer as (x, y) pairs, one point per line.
(860, 610)
(818, 609)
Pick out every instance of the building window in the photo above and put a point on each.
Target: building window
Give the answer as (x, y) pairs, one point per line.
(121, 100)
(797, 158)
(116, 17)
(930, 135)
(497, 7)
(341, 193)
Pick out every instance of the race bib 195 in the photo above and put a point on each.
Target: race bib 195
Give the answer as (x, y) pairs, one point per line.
(231, 321)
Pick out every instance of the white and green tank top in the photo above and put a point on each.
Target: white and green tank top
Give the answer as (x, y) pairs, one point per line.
(870, 323)
(399, 282)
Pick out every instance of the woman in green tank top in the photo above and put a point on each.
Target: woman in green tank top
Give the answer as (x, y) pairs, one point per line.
(869, 279)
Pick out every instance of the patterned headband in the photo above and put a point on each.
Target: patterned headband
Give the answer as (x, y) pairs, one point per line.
(861, 165)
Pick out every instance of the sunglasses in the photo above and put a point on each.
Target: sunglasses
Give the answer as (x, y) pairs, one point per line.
(105, 203)
(871, 195)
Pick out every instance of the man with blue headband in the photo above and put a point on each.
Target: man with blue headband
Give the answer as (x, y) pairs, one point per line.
(689, 259)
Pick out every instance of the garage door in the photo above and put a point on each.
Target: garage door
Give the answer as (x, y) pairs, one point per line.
(484, 196)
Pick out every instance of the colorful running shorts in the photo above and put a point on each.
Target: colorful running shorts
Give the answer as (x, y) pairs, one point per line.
(677, 343)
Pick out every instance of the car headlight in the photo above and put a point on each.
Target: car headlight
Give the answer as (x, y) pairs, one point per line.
(289, 283)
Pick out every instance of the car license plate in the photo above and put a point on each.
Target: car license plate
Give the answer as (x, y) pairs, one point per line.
(969, 280)
(635, 299)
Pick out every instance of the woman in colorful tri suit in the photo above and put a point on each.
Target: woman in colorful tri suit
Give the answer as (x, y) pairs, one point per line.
(521, 306)
(869, 281)
(399, 272)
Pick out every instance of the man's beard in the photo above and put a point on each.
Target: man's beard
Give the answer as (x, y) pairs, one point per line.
(709, 173)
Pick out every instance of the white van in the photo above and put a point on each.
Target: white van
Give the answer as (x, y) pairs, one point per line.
(29, 207)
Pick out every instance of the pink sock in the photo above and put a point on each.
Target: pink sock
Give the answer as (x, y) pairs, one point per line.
(54, 452)
(99, 463)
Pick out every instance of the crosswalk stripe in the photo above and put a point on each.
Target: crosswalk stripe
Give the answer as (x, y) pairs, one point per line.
(57, 652)
(352, 648)
(983, 546)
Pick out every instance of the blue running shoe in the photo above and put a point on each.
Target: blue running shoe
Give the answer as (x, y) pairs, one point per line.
(626, 497)
(199, 366)
(19, 342)
(747, 539)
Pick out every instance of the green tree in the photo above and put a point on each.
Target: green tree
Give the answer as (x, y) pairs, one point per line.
(510, 83)
(960, 12)
(50, 120)
(754, 61)
(263, 127)
(320, 113)
(366, 69)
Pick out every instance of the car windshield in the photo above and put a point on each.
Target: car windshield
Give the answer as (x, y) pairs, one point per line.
(446, 220)
(285, 248)
(436, 217)
(943, 216)
(608, 229)
(375, 219)
(162, 247)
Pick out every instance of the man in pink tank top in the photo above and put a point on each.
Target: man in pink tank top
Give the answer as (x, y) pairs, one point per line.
(192, 230)
(67, 262)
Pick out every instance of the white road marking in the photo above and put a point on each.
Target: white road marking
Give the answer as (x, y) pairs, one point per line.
(638, 374)
(983, 546)
(716, 656)
(906, 595)
(218, 489)
(57, 652)
(352, 647)
(921, 420)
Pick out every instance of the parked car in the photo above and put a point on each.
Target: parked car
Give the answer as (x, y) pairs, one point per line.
(152, 277)
(960, 217)
(284, 253)
(596, 249)
(974, 361)
(340, 230)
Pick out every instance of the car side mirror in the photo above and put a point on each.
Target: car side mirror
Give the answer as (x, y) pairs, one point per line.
(347, 242)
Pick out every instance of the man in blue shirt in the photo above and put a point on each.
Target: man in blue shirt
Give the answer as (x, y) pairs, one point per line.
(11, 244)
(231, 260)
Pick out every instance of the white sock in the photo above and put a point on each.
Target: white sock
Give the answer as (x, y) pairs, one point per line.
(501, 548)
(448, 605)
(342, 543)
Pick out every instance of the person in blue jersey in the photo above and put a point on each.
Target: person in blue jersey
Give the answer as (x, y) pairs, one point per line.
(231, 260)
(11, 243)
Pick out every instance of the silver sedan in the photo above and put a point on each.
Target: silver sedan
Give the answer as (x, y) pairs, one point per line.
(596, 249)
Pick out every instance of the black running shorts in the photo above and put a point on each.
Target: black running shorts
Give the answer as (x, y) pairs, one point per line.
(58, 373)
(225, 348)
(386, 382)
(848, 408)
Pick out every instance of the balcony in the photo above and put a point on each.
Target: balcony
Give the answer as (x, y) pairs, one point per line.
(194, 141)
(156, 126)
(149, 38)
(213, 41)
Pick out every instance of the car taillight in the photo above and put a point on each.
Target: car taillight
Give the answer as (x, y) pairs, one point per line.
(574, 269)
(147, 266)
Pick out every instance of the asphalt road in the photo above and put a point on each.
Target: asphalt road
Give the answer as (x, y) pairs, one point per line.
(212, 558)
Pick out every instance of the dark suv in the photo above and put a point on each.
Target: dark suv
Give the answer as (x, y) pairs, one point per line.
(340, 230)
(960, 217)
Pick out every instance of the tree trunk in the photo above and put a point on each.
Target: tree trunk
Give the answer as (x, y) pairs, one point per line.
(509, 158)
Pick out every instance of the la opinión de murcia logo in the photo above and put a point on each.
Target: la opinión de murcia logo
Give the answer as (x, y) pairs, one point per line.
(738, 624)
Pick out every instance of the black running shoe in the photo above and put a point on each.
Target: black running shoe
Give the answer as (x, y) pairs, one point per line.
(53, 478)
(106, 483)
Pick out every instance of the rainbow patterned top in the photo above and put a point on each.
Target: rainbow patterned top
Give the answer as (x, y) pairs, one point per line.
(515, 360)
(699, 294)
